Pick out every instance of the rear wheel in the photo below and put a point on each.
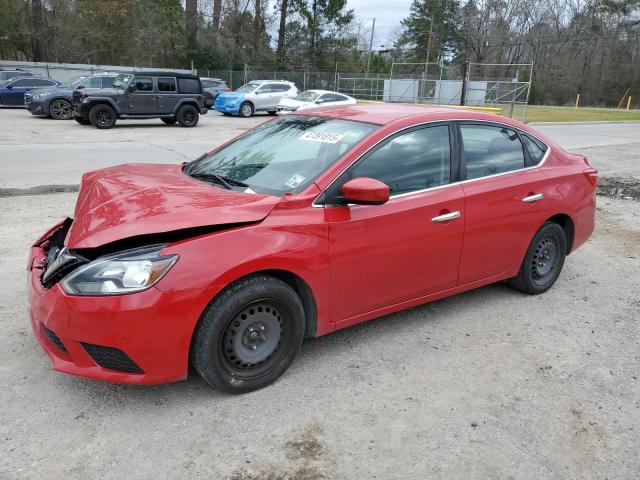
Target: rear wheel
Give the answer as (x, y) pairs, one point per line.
(102, 116)
(249, 335)
(169, 121)
(543, 261)
(60, 110)
(246, 109)
(187, 116)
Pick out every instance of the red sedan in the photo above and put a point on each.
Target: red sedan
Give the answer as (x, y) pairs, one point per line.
(304, 225)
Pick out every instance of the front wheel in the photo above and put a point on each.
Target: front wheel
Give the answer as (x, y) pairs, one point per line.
(102, 116)
(187, 116)
(60, 110)
(543, 261)
(249, 334)
(246, 109)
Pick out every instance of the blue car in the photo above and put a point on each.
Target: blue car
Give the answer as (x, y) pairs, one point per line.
(255, 96)
(12, 91)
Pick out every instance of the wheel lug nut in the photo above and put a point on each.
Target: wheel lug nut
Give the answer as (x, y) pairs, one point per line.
(262, 328)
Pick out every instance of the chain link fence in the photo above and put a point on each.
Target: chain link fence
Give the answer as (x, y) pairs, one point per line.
(506, 86)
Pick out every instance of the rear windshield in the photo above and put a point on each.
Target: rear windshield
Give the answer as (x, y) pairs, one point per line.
(284, 155)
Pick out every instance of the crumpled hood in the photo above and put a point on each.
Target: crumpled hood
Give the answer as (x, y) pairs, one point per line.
(225, 96)
(140, 199)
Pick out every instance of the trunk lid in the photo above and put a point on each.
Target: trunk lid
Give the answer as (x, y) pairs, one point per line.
(141, 199)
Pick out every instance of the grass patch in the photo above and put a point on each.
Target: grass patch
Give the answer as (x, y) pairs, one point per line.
(540, 113)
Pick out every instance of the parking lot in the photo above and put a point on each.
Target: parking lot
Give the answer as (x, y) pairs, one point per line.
(487, 384)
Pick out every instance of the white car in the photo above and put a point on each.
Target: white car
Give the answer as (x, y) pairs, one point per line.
(314, 99)
(255, 96)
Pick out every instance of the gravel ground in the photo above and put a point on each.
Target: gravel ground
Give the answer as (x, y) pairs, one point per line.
(487, 384)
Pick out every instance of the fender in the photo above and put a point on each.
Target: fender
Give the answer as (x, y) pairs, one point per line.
(95, 100)
(186, 101)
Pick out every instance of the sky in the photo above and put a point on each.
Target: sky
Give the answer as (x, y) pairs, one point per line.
(388, 14)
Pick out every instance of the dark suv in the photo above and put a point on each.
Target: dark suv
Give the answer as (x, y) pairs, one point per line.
(170, 96)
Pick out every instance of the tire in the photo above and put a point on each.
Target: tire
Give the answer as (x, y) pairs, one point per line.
(82, 121)
(60, 109)
(188, 116)
(543, 261)
(102, 116)
(246, 110)
(249, 335)
(169, 121)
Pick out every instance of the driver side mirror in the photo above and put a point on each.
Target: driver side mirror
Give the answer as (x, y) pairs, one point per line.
(80, 87)
(131, 88)
(365, 191)
(9, 86)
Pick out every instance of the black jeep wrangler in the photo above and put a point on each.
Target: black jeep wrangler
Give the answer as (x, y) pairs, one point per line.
(169, 96)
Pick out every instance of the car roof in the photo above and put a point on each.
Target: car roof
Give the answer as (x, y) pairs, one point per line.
(270, 81)
(214, 79)
(100, 74)
(385, 113)
(163, 74)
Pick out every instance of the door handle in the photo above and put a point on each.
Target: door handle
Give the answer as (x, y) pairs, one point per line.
(533, 198)
(446, 217)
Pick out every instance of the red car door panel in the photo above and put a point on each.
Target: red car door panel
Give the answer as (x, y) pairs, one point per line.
(386, 254)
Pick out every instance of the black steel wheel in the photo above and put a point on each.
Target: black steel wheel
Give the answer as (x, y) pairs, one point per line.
(543, 261)
(102, 116)
(246, 109)
(249, 334)
(187, 116)
(60, 109)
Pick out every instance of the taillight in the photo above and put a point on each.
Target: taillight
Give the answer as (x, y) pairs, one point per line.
(227, 89)
(592, 176)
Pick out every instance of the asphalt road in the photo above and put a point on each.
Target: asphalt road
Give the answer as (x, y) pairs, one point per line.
(37, 151)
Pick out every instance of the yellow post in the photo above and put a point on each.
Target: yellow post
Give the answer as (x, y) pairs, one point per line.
(577, 100)
(629, 103)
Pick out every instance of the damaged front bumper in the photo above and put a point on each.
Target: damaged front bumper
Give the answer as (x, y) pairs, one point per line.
(142, 337)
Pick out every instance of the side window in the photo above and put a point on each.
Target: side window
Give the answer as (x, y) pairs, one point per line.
(332, 97)
(22, 83)
(94, 82)
(189, 85)
(143, 84)
(207, 83)
(267, 88)
(490, 149)
(412, 161)
(166, 84)
(107, 82)
(536, 148)
(283, 87)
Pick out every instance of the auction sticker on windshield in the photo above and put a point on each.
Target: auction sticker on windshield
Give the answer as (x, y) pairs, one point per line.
(294, 181)
(323, 137)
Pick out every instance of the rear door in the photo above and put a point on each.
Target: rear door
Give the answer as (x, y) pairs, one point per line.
(167, 94)
(409, 247)
(143, 99)
(504, 200)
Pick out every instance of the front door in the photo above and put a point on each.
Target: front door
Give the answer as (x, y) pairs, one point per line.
(143, 99)
(504, 201)
(409, 247)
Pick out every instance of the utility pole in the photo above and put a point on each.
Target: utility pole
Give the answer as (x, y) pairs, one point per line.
(426, 61)
(373, 28)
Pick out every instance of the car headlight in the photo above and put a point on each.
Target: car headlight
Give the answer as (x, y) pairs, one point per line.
(39, 96)
(85, 100)
(125, 272)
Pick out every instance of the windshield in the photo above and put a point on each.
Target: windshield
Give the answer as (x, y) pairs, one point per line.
(120, 81)
(308, 96)
(284, 155)
(74, 82)
(248, 87)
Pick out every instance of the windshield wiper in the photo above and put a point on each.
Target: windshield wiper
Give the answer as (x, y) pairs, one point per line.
(226, 182)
